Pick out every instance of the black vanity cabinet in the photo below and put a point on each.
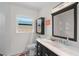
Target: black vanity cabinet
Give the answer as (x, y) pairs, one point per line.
(39, 49)
(43, 51)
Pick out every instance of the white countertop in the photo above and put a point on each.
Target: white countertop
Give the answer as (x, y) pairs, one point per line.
(59, 49)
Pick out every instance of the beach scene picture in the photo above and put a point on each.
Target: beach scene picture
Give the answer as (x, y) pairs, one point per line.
(23, 24)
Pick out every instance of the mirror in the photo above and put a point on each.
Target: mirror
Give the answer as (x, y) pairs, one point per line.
(65, 23)
(40, 25)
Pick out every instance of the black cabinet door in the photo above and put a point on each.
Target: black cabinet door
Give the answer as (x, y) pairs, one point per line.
(47, 52)
(39, 49)
(43, 51)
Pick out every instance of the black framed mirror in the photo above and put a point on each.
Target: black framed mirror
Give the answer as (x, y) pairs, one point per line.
(64, 23)
(40, 25)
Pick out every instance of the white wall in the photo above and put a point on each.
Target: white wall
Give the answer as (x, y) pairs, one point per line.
(46, 12)
(20, 40)
(10, 41)
(4, 28)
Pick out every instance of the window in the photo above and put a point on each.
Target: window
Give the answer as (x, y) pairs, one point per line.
(23, 24)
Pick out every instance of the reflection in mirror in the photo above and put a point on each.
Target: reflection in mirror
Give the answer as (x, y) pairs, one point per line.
(64, 24)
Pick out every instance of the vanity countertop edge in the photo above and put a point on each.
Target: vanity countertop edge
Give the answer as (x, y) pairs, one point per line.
(58, 49)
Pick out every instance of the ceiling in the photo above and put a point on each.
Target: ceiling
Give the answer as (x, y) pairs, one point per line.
(36, 5)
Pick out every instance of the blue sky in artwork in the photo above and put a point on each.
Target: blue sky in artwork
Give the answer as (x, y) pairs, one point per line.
(24, 20)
